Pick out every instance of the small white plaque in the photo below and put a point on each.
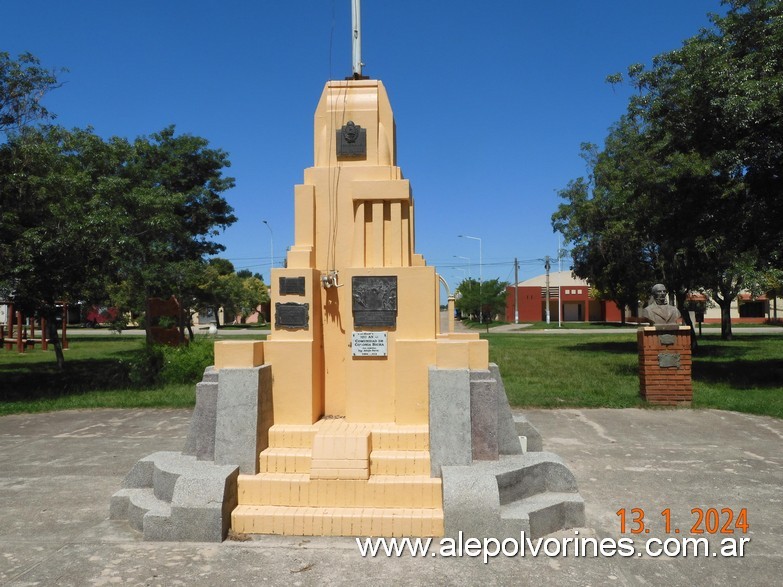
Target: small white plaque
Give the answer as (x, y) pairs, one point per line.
(369, 344)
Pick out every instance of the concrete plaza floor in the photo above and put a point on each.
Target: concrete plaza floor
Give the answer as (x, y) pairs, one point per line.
(58, 471)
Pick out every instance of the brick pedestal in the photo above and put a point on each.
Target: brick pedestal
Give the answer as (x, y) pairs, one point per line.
(665, 365)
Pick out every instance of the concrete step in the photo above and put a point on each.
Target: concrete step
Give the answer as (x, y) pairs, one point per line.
(534, 474)
(534, 492)
(299, 490)
(171, 496)
(136, 504)
(543, 514)
(344, 521)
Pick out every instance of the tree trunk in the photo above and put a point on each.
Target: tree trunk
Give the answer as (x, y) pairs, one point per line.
(725, 319)
(51, 327)
(147, 319)
(633, 305)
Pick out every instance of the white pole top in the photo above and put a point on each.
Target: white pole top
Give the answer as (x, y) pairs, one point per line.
(356, 37)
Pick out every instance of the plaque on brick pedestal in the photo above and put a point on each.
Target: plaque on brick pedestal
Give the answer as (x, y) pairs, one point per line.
(665, 365)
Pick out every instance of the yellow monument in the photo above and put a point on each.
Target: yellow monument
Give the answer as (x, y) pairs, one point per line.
(355, 329)
(356, 416)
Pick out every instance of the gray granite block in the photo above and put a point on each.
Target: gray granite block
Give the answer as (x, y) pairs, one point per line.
(141, 473)
(203, 502)
(210, 375)
(543, 514)
(508, 437)
(484, 419)
(450, 430)
(471, 504)
(244, 416)
(534, 492)
(539, 472)
(168, 468)
(524, 428)
(118, 506)
(201, 434)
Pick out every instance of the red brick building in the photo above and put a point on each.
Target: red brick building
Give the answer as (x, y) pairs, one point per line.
(569, 297)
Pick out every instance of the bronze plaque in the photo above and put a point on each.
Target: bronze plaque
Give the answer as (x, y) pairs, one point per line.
(292, 316)
(374, 301)
(291, 286)
(351, 141)
(666, 360)
(667, 339)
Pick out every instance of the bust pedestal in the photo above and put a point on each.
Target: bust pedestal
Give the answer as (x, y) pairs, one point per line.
(665, 365)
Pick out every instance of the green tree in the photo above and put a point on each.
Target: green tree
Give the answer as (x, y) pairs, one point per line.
(172, 211)
(238, 293)
(90, 219)
(23, 84)
(607, 247)
(55, 226)
(254, 293)
(690, 177)
(712, 109)
(482, 300)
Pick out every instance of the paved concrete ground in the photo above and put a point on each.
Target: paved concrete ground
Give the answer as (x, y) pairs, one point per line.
(58, 471)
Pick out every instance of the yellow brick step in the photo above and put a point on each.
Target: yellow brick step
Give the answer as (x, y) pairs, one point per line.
(285, 460)
(399, 462)
(328, 521)
(291, 435)
(383, 436)
(379, 491)
(393, 437)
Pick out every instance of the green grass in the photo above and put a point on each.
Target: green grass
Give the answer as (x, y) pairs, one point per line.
(539, 370)
(481, 325)
(567, 371)
(100, 372)
(578, 326)
(600, 370)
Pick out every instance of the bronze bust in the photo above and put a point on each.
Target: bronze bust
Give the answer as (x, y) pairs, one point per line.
(658, 311)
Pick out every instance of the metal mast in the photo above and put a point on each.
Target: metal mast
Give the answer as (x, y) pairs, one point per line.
(356, 37)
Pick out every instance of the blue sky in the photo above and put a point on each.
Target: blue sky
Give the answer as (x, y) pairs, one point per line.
(492, 99)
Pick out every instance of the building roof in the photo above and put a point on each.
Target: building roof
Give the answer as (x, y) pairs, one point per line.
(556, 278)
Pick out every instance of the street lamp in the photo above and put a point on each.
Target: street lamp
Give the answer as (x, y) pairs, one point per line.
(271, 250)
(481, 264)
(466, 258)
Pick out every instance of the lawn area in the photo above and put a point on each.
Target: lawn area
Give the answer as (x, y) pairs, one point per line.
(101, 371)
(600, 370)
(539, 370)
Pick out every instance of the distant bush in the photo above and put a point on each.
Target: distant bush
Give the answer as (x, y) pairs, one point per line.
(186, 364)
(145, 367)
(161, 365)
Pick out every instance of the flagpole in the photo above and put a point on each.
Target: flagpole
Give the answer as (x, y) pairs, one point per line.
(356, 22)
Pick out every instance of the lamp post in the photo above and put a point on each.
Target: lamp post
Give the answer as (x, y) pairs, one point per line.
(467, 259)
(271, 250)
(481, 263)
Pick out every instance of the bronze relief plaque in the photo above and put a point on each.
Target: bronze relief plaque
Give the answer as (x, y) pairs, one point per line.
(292, 316)
(668, 360)
(374, 301)
(291, 286)
(351, 141)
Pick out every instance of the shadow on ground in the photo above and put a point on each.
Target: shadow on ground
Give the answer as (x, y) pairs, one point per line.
(45, 380)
